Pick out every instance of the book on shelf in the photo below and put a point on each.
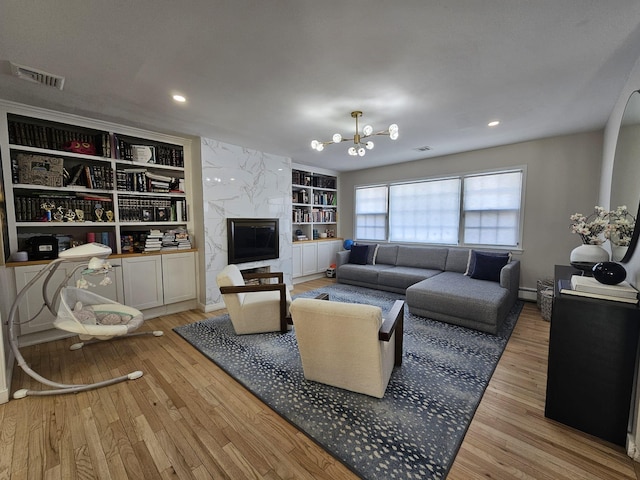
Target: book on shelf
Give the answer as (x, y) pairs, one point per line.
(564, 286)
(590, 284)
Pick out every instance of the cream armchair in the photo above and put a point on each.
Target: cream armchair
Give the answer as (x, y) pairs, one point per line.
(348, 345)
(254, 308)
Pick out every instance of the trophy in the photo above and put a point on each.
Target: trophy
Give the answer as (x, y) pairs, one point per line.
(109, 214)
(99, 212)
(48, 207)
(59, 215)
(70, 215)
(79, 215)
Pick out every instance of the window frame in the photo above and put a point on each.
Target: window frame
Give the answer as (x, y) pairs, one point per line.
(462, 176)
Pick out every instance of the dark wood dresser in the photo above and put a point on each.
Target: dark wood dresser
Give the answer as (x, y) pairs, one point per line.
(593, 351)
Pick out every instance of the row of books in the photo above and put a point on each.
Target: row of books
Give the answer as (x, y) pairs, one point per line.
(90, 176)
(306, 179)
(46, 208)
(152, 209)
(325, 198)
(589, 287)
(303, 215)
(56, 138)
(159, 154)
(141, 180)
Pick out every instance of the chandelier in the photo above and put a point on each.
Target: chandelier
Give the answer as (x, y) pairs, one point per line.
(359, 147)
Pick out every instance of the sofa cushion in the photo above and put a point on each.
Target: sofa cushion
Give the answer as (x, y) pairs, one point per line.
(387, 254)
(359, 254)
(472, 258)
(460, 296)
(403, 277)
(373, 248)
(457, 260)
(360, 273)
(488, 266)
(422, 257)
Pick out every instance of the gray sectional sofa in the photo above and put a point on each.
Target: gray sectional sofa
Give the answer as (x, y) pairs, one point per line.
(434, 281)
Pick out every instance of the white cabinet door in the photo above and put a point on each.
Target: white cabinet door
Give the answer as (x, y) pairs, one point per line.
(327, 253)
(179, 277)
(32, 302)
(297, 261)
(309, 258)
(142, 279)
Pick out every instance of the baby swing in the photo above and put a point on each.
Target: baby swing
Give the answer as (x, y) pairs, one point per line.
(92, 317)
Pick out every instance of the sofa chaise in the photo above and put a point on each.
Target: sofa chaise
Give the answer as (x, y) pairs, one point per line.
(461, 286)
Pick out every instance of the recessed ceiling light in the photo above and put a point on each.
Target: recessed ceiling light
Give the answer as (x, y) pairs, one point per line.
(179, 98)
(494, 123)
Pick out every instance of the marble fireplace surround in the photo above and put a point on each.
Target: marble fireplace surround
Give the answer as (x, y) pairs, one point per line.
(240, 182)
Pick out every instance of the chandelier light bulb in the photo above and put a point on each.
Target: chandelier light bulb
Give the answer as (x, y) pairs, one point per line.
(352, 151)
(314, 144)
(393, 128)
(369, 145)
(361, 151)
(320, 147)
(337, 138)
(367, 130)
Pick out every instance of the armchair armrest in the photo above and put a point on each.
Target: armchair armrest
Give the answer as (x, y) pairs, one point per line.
(280, 287)
(394, 322)
(342, 257)
(278, 275)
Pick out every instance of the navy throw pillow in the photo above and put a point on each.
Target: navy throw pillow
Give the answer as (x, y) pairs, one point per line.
(488, 266)
(359, 254)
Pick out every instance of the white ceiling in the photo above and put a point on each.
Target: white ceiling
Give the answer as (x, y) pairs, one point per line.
(273, 75)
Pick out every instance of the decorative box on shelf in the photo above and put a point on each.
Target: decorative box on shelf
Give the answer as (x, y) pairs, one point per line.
(40, 170)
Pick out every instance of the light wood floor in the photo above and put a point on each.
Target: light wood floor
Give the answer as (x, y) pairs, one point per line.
(185, 418)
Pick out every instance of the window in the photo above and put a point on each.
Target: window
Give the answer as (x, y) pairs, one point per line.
(475, 209)
(425, 212)
(492, 209)
(371, 213)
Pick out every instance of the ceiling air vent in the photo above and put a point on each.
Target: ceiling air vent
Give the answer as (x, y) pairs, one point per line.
(426, 148)
(37, 76)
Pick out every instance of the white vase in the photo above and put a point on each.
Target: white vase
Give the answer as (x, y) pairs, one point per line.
(618, 252)
(589, 254)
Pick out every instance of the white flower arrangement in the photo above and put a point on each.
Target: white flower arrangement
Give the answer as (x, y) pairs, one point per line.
(590, 227)
(620, 227)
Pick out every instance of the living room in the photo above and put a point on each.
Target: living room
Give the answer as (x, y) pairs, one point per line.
(567, 169)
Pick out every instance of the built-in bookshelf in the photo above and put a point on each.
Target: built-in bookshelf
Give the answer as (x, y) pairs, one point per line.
(314, 204)
(79, 179)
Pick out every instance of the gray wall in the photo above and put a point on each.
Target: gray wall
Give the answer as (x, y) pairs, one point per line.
(562, 177)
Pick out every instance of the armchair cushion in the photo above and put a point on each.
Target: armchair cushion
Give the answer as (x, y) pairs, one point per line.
(254, 308)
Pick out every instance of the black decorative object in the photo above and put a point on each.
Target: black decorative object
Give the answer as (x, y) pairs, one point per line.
(609, 273)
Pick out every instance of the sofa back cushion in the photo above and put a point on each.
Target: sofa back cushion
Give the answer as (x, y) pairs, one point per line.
(488, 266)
(387, 254)
(359, 254)
(373, 249)
(457, 260)
(434, 258)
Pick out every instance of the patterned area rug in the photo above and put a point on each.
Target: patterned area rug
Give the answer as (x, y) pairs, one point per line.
(414, 432)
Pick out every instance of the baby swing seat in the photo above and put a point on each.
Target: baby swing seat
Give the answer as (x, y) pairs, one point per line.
(92, 316)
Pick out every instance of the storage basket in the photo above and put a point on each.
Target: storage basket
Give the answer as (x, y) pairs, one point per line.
(546, 303)
(542, 285)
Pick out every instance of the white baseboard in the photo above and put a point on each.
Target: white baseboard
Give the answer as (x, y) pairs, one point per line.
(528, 294)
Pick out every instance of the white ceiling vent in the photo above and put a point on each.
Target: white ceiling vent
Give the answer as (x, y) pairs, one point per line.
(37, 76)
